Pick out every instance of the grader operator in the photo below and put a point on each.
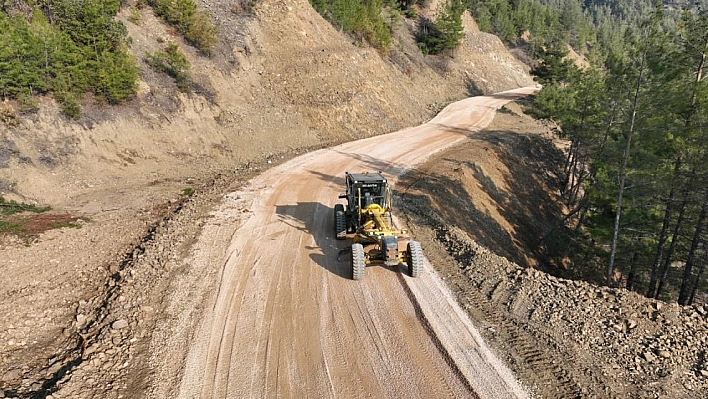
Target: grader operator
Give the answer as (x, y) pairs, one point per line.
(367, 220)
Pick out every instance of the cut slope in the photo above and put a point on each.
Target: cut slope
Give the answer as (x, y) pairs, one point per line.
(282, 78)
(505, 183)
(282, 81)
(493, 195)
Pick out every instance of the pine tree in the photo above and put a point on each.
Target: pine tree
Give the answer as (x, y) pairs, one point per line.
(554, 65)
(445, 32)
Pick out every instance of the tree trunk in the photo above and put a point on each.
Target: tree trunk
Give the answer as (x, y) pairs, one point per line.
(684, 293)
(672, 247)
(663, 234)
(661, 243)
(574, 179)
(575, 191)
(697, 283)
(561, 222)
(623, 172)
(632, 270)
(610, 123)
(567, 167)
(581, 215)
(699, 75)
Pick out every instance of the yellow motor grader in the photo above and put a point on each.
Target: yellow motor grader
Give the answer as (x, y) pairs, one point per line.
(367, 220)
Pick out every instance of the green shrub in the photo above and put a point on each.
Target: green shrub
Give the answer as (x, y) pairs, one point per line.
(69, 103)
(434, 37)
(195, 26)
(64, 224)
(177, 13)
(10, 227)
(134, 16)
(116, 77)
(172, 62)
(363, 19)
(8, 208)
(27, 103)
(406, 6)
(83, 49)
(21, 67)
(201, 33)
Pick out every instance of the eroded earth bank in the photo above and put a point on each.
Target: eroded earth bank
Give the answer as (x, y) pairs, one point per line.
(482, 208)
(81, 306)
(84, 286)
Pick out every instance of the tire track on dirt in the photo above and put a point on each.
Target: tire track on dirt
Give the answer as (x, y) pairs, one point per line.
(263, 331)
(549, 370)
(225, 310)
(547, 367)
(436, 340)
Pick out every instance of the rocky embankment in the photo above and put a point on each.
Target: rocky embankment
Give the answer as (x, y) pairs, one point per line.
(563, 338)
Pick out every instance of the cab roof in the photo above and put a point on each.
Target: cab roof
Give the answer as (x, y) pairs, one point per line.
(367, 177)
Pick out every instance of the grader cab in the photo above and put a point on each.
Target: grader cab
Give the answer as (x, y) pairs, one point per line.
(367, 220)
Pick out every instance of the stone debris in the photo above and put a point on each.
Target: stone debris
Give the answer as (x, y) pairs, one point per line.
(119, 324)
(607, 342)
(649, 357)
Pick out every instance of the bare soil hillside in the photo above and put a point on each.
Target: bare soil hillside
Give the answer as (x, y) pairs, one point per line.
(135, 181)
(480, 209)
(282, 78)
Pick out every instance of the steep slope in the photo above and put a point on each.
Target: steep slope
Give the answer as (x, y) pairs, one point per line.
(492, 197)
(282, 81)
(282, 78)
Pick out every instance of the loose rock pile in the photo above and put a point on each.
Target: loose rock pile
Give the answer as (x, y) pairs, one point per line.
(569, 338)
(563, 338)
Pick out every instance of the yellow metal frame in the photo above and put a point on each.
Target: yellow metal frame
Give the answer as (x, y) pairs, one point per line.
(375, 227)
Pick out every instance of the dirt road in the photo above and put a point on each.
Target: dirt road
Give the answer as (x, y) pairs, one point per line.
(287, 321)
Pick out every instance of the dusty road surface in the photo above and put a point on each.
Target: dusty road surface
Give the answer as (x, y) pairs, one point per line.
(288, 321)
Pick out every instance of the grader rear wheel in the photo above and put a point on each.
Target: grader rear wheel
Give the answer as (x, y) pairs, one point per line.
(340, 222)
(357, 262)
(415, 258)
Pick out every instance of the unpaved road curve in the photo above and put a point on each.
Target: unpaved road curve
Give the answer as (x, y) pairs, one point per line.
(288, 322)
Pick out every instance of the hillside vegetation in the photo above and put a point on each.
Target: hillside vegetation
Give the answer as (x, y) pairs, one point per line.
(594, 28)
(69, 48)
(636, 172)
(636, 169)
(637, 166)
(66, 48)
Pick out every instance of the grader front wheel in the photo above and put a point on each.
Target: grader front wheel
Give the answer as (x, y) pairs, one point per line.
(357, 261)
(415, 258)
(340, 222)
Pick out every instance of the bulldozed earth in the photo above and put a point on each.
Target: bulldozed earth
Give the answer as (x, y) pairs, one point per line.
(480, 210)
(130, 187)
(86, 284)
(563, 338)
